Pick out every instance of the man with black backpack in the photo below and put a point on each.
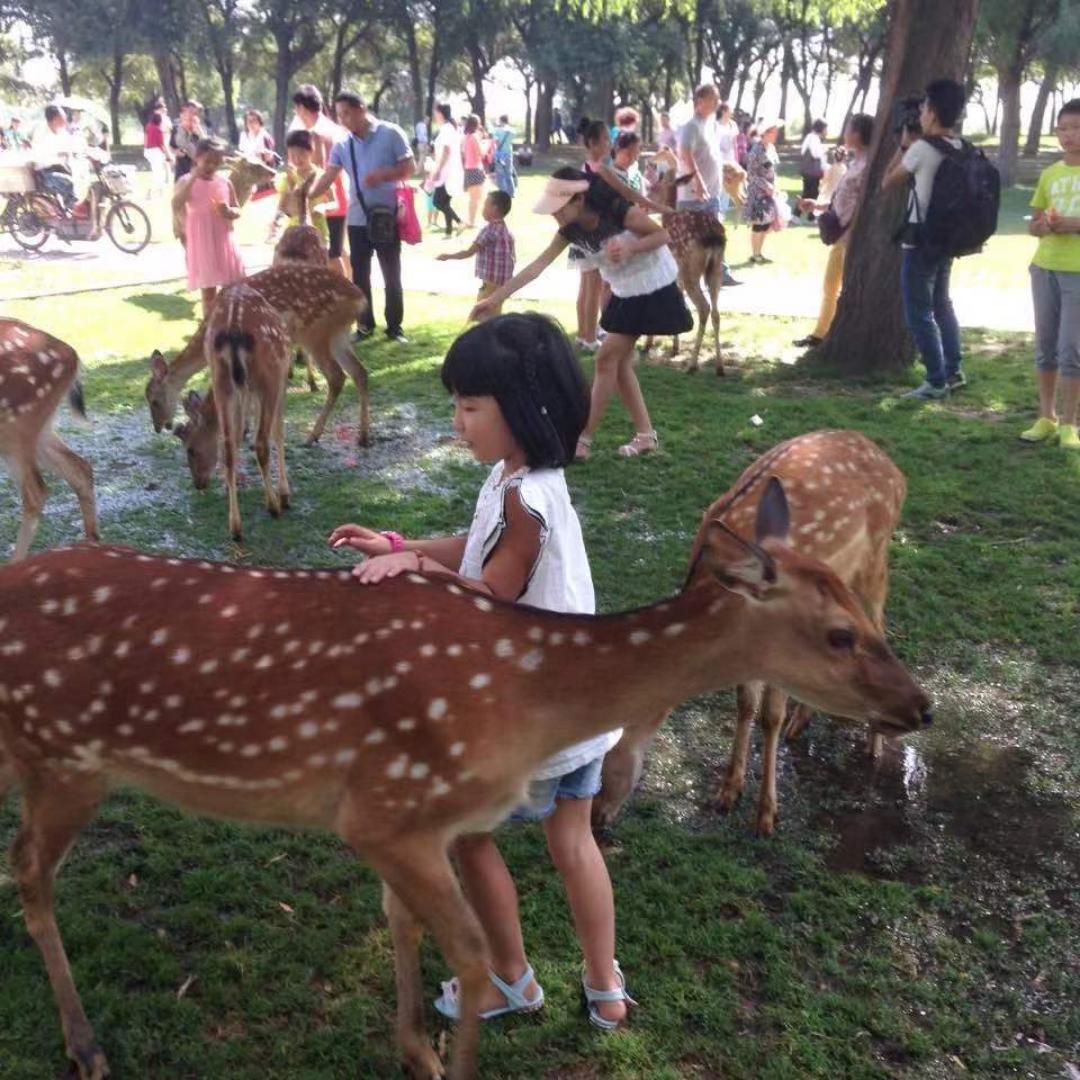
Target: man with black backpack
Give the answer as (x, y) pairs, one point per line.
(952, 210)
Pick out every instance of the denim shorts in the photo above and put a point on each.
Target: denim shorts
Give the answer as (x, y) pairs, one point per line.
(582, 783)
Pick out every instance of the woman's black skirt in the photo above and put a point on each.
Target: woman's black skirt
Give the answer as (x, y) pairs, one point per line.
(662, 312)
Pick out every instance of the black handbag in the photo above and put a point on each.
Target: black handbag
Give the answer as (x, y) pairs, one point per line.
(830, 227)
(382, 223)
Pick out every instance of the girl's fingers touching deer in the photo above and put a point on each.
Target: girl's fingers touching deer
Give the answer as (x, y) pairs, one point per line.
(362, 539)
(383, 567)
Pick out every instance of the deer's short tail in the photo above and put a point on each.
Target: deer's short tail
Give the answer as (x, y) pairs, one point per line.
(77, 400)
(240, 345)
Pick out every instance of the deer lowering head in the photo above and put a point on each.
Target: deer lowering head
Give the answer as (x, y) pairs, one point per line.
(248, 354)
(246, 174)
(37, 371)
(398, 716)
(318, 307)
(302, 243)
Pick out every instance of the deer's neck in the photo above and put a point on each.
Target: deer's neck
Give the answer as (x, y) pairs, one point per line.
(189, 360)
(621, 670)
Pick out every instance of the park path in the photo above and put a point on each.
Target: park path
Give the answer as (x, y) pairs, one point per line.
(765, 290)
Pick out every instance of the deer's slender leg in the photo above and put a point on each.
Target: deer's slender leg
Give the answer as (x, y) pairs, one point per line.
(49, 825)
(715, 276)
(748, 700)
(346, 358)
(7, 776)
(772, 720)
(416, 869)
(231, 419)
(262, 455)
(78, 472)
(335, 380)
(692, 285)
(801, 716)
(622, 770)
(284, 492)
(32, 489)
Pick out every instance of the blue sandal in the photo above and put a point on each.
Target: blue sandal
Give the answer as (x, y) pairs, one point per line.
(449, 1001)
(594, 997)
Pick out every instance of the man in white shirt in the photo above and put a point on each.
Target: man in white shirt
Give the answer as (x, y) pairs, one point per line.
(51, 153)
(924, 278)
(699, 157)
(812, 162)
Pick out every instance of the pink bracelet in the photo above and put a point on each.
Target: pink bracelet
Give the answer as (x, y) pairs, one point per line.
(397, 541)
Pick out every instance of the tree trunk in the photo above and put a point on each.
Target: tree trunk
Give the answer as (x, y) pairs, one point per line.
(1038, 114)
(743, 75)
(528, 111)
(927, 40)
(545, 99)
(415, 80)
(115, 85)
(785, 85)
(166, 74)
(337, 67)
(997, 112)
(476, 60)
(668, 89)
(282, 76)
(1009, 80)
(65, 72)
(230, 103)
(181, 79)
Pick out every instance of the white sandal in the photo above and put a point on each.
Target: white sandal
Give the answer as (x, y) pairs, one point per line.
(595, 997)
(643, 442)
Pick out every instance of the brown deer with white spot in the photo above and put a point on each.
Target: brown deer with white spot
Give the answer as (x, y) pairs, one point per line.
(319, 309)
(248, 353)
(37, 371)
(845, 496)
(698, 240)
(399, 716)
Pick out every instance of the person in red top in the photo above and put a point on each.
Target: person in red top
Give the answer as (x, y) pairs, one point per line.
(493, 248)
(157, 153)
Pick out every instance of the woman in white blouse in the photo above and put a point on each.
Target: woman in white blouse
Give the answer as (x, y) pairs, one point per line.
(449, 175)
(255, 141)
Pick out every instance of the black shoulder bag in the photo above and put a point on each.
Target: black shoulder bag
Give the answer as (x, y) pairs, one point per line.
(382, 223)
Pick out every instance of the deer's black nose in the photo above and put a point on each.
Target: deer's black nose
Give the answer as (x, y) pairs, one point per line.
(927, 717)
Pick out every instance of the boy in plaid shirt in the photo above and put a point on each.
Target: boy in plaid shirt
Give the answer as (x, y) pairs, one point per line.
(493, 248)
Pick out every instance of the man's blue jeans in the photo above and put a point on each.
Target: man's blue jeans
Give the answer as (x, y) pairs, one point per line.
(929, 314)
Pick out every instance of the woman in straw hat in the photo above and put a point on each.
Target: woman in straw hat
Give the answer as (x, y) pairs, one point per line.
(632, 255)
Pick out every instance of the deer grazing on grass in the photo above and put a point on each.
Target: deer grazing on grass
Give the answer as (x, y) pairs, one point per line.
(845, 496)
(36, 372)
(400, 716)
(319, 309)
(248, 354)
(698, 241)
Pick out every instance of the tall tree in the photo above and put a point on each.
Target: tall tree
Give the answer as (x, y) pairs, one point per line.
(927, 40)
(223, 30)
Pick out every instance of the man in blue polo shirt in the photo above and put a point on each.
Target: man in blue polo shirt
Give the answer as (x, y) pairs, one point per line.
(376, 157)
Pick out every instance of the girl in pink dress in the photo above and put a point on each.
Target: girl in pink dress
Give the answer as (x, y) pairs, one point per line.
(204, 208)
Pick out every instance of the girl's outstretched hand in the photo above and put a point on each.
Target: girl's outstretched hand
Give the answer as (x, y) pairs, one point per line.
(481, 310)
(361, 539)
(385, 566)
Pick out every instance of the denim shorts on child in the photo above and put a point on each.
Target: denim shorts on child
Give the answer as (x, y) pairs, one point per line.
(582, 783)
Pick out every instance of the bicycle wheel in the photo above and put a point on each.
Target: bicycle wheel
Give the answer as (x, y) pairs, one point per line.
(26, 225)
(128, 227)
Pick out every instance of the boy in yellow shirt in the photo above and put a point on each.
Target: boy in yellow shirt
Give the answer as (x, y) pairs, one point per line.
(300, 150)
(1055, 287)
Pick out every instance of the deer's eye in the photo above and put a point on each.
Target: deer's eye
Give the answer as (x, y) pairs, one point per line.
(841, 639)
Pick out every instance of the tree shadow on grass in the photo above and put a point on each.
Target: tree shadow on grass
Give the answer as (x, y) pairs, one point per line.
(170, 306)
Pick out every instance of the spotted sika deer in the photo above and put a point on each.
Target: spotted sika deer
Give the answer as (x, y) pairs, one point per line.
(698, 241)
(302, 243)
(845, 496)
(399, 716)
(319, 309)
(248, 354)
(36, 372)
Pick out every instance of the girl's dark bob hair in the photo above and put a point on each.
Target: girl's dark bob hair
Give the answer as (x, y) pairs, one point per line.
(525, 362)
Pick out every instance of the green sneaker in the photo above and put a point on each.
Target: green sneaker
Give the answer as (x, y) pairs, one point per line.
(1041, 430)
(1068, 437)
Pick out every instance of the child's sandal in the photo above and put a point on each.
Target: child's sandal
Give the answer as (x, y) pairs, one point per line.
(449, 1001)
(595, 997)
(583, 449)
(644, 442)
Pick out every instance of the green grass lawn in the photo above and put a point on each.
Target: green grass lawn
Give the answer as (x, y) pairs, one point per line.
(916, 919)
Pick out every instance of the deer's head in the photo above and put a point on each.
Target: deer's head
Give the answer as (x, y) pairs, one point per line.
(807, 630)
(199, 434)
(160, 398)
(245, 174)
(664, 189)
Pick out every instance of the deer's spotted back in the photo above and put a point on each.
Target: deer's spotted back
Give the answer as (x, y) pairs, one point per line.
(35, 370)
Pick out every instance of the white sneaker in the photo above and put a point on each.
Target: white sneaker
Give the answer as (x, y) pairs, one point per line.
(926, 392)
(587, 346)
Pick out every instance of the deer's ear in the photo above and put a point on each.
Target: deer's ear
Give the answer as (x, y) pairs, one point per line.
(773, 518)
(192, 404)
(740, 565)
(158, 367)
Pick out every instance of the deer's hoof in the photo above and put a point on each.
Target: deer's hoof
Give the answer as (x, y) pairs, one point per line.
(766, 823)
(423, 1064)
(285, 500)
(726, 798)
(89, 1064)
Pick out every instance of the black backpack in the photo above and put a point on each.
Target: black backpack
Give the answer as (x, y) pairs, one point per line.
(964, 201)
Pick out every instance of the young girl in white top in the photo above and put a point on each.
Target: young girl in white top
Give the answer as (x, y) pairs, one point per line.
(521, 402)
(631, 253)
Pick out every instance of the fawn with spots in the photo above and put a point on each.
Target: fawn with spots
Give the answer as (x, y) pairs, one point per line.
(318, 308)
(248, 353)
(399, 717)
(844, 495)
(698, 240)
(36, 372)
